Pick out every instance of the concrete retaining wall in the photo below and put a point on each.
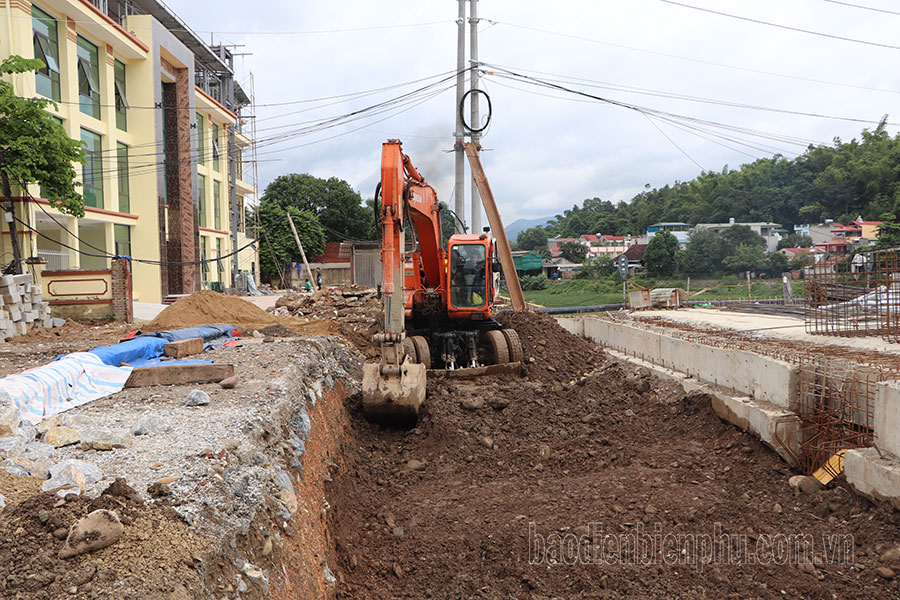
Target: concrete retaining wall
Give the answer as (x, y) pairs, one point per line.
(746, 373)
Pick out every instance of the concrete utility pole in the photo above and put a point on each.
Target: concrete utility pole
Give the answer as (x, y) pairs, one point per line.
(459, 186)
(233, 217)
(312, 278)
(473, 99)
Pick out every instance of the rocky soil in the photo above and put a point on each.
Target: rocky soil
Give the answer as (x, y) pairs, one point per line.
(518, 488)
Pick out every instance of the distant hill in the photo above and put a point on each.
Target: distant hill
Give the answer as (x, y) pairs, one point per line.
(513, 229)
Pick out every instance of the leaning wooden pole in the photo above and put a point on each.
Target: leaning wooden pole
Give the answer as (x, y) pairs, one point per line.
(493, 215)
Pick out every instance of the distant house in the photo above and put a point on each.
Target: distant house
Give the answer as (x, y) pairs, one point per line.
(681, 231)
(868, 229)
(635, 256)
(845, 231)
(770, 232)
(836, 246)
(792, 252)
(588, 239)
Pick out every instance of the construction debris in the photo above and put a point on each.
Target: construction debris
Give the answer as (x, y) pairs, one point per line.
(22, 308)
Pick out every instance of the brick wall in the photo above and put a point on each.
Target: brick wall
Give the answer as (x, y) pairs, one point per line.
(122, 293)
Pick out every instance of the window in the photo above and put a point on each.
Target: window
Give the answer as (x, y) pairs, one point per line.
(46, 48)
(239, 164)
(203, 255)
(215, 146)
(201, 145)
(122, 235)
(467, 276)
(121, 103)
(220, 268)
(88, 78)
(201, 193)
(217, 202)
(124, 187)
(92, 170)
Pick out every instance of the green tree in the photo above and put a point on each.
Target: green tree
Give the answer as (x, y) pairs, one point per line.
(794, 240)
(738, 235)
(336, 206)
(597, 267)
(533, 238)
(888, 232)
(279, 239)
(34, 148)
(776, 264)
(573, 252)
(659, 257)
(704, 252)
(747, 257)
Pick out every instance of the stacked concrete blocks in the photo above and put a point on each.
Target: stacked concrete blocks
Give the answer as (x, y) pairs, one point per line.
(22, 308)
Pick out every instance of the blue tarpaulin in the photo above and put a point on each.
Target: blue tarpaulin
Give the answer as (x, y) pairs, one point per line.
(148, 348)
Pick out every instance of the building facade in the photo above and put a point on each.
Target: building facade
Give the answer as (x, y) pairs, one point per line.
(158, 112)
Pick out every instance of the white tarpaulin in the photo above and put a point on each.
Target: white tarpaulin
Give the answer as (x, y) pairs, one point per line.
(71, 381)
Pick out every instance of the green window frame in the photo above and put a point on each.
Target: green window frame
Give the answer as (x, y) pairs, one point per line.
(122, 236)
(220, 268)
(121, 101)
(123, 175)
(215, 146)
(46, 48)
(88, 78)
(92, 169)
(201, 198)
(217, 202)
(201, 139)
(203, 255)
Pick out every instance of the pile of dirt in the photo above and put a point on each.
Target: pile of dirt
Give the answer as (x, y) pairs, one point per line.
(211, 308)
(158, 556)
(508, 478)
(353, 311)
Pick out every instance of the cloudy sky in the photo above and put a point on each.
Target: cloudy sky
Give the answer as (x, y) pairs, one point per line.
(547, 149)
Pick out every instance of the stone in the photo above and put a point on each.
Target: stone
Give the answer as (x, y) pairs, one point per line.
(39, 450)
(885, 573)
(487, 442)
(498, 403)
(167, 480)
(257, 576)
(267, 547)
(15, 467)
(149, 424)
(268, 339)
(61, 436)
(472, 403)
(891, 556)
(197, 398)
(778, 509)
(229, 382)
(92, 472)
(28, 431)
(69, 477)
(12, 446)
(2, 502)
(415, 465)
(104, 439)
(97, 530)
(9, 415)
(810, 485)
(592, 418)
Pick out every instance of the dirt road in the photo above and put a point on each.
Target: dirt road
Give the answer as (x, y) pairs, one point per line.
(507, 482)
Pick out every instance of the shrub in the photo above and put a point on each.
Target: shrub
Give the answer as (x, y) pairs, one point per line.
(533, 282)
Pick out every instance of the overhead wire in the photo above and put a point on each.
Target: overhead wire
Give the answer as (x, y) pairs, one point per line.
(872, 8)
(780, 26)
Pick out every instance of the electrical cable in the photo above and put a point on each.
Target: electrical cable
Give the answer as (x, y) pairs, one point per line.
(872, 8)
(462, 104)
(671, 141)
(779, 26)
(697, 60)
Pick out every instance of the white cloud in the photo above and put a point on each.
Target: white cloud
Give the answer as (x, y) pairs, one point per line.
(546, 153)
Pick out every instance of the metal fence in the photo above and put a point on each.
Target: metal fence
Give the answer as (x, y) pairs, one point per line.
(56, 261)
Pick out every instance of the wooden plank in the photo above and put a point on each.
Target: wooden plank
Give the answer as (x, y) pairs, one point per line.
(183, 348)
(179, 374)
(493, 215)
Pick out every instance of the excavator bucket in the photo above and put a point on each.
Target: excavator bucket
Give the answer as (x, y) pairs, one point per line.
(394, 398)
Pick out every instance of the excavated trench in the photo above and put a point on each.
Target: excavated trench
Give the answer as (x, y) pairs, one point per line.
(587, 478)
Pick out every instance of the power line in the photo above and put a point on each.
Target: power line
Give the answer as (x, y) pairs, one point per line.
(779, 26)
(881, 10)
(671, 141)
(698, 60)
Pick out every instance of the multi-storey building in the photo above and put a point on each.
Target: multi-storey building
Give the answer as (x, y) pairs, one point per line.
(158, 111)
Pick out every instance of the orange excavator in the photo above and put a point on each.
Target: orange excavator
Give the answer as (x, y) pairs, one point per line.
(437, 302)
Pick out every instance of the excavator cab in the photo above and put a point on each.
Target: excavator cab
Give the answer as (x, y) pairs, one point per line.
(469, 277)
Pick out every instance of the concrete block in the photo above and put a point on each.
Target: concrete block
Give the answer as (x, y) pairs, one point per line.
(183, 348)
(7, 281)
(14, 313)
(886, 417)
(57, 322)
(28, 317)
(23, 278)
(21, 328)
(10, 296)
(774, 425)
(872, 475)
